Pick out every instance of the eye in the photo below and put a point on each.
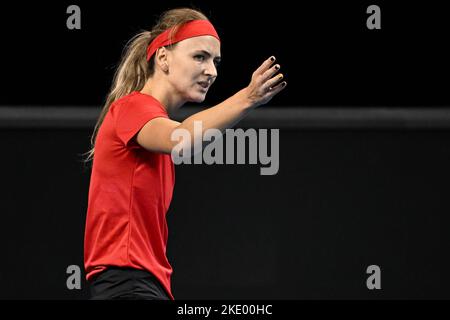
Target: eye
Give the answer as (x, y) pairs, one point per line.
(199, 57)
(217, 63)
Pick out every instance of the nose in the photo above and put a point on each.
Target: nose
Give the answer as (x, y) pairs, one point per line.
(211, 70)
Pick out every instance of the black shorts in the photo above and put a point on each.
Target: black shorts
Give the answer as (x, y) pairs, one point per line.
(117, 283)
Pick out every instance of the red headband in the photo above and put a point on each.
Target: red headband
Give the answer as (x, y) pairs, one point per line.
(190, 29)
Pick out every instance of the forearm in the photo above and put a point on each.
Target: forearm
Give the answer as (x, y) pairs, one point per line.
(222, 116)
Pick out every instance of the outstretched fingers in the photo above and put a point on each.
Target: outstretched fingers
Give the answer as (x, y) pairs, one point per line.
(265, 66)
(273, 82)
(277, 88)
(266, 82)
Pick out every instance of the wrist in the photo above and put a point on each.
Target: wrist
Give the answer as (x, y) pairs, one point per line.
(243, 100)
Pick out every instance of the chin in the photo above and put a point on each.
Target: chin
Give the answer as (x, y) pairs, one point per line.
(198, 98)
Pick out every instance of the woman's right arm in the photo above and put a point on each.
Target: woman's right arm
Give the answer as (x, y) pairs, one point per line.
(156, 134)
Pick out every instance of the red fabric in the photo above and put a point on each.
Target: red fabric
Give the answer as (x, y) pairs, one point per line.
(129, 194)
(190, 29)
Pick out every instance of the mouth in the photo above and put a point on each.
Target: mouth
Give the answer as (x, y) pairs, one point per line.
(203, 84)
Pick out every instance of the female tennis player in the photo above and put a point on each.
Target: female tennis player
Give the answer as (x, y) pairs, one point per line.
(133, 175)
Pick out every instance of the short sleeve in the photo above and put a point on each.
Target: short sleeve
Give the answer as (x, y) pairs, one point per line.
(133, 115)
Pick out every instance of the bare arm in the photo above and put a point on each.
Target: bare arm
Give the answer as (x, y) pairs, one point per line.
(265, 84)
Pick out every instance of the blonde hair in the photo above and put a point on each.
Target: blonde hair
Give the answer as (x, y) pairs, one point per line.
(134, 69)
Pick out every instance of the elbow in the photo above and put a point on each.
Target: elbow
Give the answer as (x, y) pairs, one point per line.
(186, 149)
(183, 144)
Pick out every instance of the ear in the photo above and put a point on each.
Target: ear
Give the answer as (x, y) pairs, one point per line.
(161, 59)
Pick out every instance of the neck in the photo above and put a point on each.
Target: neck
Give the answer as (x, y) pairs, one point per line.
(160, 90)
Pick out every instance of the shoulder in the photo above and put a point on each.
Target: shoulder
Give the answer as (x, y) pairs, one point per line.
(124, 100)
(139, 101)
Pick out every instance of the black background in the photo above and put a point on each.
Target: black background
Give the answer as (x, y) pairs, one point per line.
(327, 53)
(342, 200)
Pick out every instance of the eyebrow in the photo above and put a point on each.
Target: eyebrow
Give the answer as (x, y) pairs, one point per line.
(218, 58)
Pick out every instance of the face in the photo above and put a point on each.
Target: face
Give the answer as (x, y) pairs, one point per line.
(193, 67)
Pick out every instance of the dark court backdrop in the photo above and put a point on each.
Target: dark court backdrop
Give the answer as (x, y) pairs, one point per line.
(351, 191)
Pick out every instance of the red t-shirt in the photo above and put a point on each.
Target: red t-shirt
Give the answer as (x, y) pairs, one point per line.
(129, 194)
